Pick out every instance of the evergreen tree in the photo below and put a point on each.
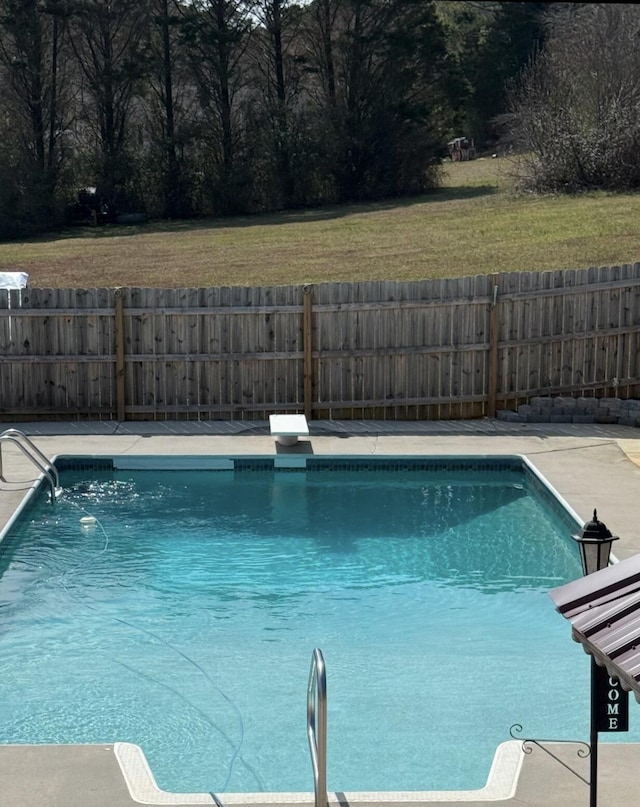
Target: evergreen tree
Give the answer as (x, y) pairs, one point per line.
(387, 111)
(491, 43)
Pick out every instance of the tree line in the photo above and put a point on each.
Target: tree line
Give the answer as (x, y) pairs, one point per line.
(183, 108)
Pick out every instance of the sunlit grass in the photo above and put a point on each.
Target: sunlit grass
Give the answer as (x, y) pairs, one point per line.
(473, 225)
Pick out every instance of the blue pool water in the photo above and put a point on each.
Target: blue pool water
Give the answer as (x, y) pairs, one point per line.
(184, 621)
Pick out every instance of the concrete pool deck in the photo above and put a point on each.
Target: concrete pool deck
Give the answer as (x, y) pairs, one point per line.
(590, 466)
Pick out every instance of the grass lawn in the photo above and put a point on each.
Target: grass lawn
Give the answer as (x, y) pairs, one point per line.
(473, 225)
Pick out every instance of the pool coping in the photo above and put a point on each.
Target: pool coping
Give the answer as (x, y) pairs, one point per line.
(591, 467)
(501, 784)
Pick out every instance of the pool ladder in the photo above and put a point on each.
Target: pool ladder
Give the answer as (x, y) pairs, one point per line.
(317, 725)
(33, 453)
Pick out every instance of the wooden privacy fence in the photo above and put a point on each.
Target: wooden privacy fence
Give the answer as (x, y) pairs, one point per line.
(431, 349)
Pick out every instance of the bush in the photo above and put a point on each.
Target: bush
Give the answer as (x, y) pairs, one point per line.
(576, 114)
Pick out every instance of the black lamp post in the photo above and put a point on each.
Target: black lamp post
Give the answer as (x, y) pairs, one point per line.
(595, 549)
(595, 545)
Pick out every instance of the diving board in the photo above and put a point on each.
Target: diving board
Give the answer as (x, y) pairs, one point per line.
(288, 428)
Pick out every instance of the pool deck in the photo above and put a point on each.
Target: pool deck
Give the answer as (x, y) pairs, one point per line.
(590, 466)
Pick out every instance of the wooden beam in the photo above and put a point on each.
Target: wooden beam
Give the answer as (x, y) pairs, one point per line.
(307, 332)
(119, 351)
(494, 336)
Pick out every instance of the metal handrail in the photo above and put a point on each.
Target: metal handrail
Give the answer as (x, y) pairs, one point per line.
(33, 453)
(317, 725)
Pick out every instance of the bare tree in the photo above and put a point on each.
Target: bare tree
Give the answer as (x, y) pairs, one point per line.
(216, 34)
(278, 112)
(576, 116)
(110, 43)
(170, 108)
(36, 94)
(322, 32)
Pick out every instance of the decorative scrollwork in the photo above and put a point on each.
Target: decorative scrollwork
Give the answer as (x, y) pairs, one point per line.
(528, 743)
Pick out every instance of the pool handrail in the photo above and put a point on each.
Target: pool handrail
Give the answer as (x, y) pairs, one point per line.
(317, 725)
(33, 453)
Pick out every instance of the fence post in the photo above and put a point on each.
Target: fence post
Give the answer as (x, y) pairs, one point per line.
(494, 329)
(119, 351)
(307, 310)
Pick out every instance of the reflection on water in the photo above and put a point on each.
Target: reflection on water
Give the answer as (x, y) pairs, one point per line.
(184, 616)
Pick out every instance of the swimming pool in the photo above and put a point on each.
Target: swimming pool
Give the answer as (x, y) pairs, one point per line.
(184, 619)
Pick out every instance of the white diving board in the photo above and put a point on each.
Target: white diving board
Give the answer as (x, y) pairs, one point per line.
(288, 428)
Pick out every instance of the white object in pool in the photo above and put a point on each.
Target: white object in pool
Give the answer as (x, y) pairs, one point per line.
(88, 521)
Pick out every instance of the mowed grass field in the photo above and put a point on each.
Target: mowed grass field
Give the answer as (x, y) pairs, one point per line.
(474, 224)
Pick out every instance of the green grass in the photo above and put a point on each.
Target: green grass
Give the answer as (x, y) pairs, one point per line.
(473, 225)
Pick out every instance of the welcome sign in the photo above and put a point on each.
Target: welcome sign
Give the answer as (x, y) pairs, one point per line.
(610, 702)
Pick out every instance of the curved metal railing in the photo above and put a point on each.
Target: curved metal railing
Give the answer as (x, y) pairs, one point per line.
(33, 453)
(317, 725)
